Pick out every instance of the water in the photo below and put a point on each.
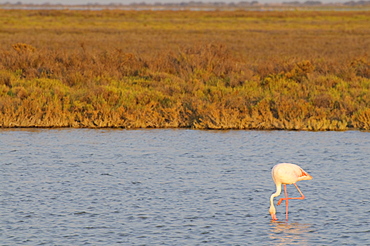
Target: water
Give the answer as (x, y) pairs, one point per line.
(180, 187)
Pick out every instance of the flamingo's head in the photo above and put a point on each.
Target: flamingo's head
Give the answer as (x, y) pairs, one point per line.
(272, 212)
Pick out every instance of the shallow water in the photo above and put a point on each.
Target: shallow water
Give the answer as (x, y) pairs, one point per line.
(180, 187)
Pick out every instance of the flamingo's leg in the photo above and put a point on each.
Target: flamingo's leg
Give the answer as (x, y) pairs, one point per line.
(300, 192)
(288, 198)
(286, 203)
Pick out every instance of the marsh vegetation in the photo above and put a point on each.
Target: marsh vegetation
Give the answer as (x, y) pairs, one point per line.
(295, 70)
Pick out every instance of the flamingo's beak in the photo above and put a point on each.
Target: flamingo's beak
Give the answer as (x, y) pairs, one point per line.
(273, 217)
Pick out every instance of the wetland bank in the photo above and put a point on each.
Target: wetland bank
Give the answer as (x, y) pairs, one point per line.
(294, 70)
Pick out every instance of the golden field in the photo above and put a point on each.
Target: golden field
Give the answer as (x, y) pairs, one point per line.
(294, 70)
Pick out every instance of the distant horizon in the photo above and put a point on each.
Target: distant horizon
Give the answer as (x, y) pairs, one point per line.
(127, 2)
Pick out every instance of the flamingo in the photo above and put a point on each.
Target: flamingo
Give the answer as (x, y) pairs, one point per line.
(286, 173)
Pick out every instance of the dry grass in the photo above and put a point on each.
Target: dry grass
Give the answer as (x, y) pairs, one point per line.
(209, 70)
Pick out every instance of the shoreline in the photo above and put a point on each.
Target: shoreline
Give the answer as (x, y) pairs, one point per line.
(198, 70)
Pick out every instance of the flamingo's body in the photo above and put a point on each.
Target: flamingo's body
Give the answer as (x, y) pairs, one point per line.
(286, 173)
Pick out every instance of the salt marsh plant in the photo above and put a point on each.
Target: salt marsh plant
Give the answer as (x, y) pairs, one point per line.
(232, 70)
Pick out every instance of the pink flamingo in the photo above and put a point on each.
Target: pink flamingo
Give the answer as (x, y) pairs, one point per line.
(286, 173)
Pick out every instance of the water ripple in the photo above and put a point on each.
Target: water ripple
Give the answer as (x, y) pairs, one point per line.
(179, 187)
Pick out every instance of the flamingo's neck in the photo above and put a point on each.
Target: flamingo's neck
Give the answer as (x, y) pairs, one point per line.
(272, 209)
(277, 193)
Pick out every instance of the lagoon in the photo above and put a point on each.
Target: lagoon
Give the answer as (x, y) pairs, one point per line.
(180, 187)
